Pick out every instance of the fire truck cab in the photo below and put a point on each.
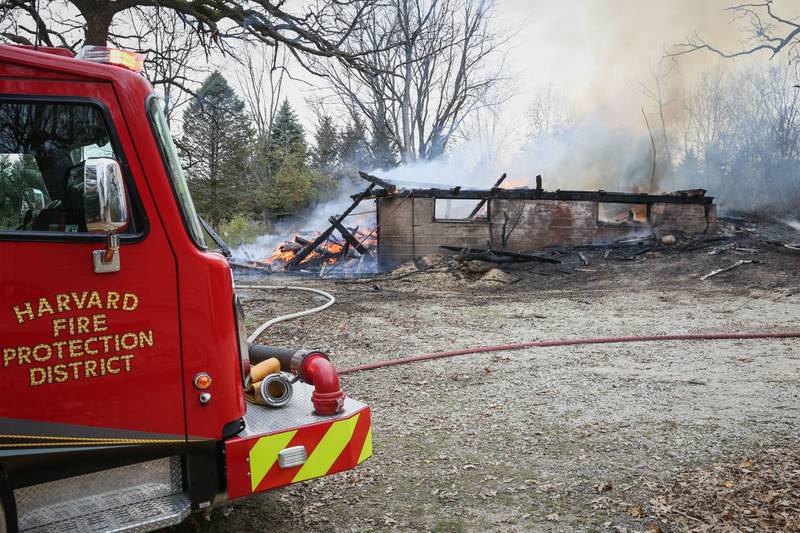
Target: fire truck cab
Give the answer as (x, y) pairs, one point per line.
(123, 344)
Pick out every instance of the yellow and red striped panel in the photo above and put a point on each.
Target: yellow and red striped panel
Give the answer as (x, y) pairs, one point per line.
(331, 446)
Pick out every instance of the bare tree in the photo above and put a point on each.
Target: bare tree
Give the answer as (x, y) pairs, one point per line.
(742, 135)
(708, 112)
(487, 132)
(260, 75)
(549, 114)
(171, 52)
(655, 92)
(436, 61)
(319, 29)
(770, 32)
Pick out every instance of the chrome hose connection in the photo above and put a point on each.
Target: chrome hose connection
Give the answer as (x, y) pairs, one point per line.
(276, 390)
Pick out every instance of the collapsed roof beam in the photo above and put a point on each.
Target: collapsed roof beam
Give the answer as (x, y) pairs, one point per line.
(571, 196)
(388, 187)
(483, 202)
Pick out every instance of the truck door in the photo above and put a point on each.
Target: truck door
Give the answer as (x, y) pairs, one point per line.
(88, 358)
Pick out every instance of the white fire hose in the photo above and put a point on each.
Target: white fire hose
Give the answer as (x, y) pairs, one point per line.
(265, 385)
(260, 329)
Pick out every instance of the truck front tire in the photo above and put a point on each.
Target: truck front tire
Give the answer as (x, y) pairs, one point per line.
(8, 515)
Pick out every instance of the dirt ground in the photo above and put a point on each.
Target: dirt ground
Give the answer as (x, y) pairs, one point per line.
(620, 437)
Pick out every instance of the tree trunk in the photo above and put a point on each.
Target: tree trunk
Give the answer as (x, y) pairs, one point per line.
(97, 25)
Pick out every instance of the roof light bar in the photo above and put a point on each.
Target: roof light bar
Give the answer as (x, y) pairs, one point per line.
(112, 56)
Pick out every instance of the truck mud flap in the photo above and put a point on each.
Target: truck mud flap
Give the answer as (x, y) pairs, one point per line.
(285, 445)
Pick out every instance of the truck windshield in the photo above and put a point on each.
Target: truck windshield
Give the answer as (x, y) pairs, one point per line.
(173, 166)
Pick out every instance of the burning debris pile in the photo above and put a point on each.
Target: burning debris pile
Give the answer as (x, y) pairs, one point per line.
(348, 249)
(355, 251)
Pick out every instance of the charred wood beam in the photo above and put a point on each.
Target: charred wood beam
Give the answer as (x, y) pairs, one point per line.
(300, 240)
(483, 202)
(349, 237)
(569, 196)
(388, 187)
(494, 255)
(307, 249)
(261, 267)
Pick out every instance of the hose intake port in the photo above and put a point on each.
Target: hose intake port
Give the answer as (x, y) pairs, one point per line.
(275, 390)
(312, 367)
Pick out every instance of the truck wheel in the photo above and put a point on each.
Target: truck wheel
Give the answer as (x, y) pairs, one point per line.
(8, 515)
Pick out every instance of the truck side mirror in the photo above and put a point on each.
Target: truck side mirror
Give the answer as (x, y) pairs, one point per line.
(105, 208)
(31, 202)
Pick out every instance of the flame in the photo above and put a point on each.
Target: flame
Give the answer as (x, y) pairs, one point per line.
(330, 252)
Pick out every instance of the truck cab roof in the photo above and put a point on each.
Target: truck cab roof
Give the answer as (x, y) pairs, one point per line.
(60, 64)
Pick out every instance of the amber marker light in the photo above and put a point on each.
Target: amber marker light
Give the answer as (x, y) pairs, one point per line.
(202, 381)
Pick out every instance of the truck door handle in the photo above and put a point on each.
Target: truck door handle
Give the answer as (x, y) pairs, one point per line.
(107, 260)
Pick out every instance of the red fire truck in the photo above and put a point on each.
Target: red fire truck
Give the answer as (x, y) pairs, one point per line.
(123, 345)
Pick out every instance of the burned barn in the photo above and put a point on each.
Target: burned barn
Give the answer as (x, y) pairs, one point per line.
(417, 222)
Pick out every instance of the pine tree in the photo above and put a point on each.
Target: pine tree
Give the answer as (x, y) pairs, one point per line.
(383, 155)
(286, 183)
(216, 145)
(354, 152)
(325, 154)
(17, 175)
(286, 138)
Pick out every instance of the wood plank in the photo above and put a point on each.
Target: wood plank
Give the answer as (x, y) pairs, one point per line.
(349, 237)
(388, 187)
(483, 202)
(510, 256)
(564, 196)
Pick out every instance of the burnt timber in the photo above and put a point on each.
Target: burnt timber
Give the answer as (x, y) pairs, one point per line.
(558, 195)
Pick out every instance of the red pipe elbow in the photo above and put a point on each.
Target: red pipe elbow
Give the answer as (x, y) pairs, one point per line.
(327, 398)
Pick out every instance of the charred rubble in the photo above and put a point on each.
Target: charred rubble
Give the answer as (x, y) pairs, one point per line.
(503, 226)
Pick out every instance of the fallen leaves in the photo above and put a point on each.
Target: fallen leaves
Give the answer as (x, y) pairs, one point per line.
(634, 510)
(759, 493)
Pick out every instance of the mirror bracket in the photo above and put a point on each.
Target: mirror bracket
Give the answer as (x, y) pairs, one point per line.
(107, 260)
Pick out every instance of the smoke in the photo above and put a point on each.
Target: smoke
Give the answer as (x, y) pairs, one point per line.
(597, 52)
(591, 155)
(587, 155)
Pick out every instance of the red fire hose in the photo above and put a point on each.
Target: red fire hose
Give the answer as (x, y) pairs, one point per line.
(568, 342)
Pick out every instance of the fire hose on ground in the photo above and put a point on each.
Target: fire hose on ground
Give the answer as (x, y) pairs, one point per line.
(568, 342)
(288, 355)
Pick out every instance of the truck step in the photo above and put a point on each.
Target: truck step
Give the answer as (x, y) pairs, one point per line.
(132, 495)
(142, 516)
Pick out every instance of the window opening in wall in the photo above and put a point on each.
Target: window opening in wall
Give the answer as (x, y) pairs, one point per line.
(454, 209)
(613, 213)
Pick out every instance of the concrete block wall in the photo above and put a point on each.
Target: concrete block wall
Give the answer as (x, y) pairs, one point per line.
(690, 218)
(541, 223)
(408, 228)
